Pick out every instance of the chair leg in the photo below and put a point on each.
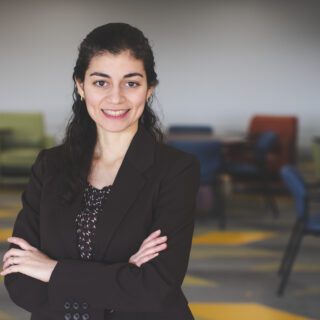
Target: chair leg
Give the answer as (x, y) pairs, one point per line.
(219, 204)
(290, 262)
(289, 247)
(271, 204)
(269, 199)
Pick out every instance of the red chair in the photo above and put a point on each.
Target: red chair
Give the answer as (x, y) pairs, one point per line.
(284, 151)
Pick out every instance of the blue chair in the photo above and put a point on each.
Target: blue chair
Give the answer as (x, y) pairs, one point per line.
(306, 223)
(254, 168)
(209, 154)
(190, 129)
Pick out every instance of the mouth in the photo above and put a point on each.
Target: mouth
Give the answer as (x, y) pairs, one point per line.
(115, 114)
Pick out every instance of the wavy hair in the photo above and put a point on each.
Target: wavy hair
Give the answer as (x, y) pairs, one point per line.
(81, 135)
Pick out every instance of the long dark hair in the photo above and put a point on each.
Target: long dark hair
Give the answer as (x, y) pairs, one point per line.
(81, 135)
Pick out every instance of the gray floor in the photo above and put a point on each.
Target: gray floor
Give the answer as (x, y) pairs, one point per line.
(231, 274)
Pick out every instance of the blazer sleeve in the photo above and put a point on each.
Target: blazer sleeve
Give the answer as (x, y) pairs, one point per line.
(153, 286)
(27, 227)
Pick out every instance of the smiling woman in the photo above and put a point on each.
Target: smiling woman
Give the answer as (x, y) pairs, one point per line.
(107, 219)
(115, 88)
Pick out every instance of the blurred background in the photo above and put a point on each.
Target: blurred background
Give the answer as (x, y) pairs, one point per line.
(239, 88)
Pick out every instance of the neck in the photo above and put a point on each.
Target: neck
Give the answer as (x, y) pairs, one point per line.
(112, 146)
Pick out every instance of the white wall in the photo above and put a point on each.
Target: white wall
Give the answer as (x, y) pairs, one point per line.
(219, 62)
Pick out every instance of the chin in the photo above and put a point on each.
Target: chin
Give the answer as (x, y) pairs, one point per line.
(118, 127)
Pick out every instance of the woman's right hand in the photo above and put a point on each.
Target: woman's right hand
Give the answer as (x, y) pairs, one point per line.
(149, 248)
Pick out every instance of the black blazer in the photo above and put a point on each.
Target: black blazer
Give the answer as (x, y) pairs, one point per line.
(155, 188)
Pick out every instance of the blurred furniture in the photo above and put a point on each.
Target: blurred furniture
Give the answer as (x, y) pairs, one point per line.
(252, 167)
(284, 151)
(316, 155)
(190, 129)
(307, 223)
(21, 138)
(209, 153)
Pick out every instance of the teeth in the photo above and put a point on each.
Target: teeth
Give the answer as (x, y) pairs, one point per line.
(114, 113)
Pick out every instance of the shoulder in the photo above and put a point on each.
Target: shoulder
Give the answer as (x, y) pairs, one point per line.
(174, 160)
(172, 155)
(51, 159)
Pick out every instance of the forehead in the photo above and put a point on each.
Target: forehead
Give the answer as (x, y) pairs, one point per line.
(121, 63)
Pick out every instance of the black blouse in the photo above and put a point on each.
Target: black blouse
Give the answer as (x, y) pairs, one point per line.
(86, 220)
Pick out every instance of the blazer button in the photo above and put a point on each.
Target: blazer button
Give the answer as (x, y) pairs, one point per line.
(67, 305)
(67, 316)
(111, 311)
(76, 316)
(84, 306)
(85, 316)
(76, 305)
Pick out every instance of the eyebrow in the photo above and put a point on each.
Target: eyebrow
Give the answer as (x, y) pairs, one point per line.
(129, 75)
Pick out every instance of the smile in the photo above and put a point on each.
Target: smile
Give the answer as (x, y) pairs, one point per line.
(115, 114)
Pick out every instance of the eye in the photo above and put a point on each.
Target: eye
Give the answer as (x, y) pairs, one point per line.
(100, 83)
(132, 84)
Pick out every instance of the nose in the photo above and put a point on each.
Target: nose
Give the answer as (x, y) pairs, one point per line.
(115, 95)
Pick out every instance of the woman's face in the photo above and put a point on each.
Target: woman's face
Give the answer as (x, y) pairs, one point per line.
(115, 91)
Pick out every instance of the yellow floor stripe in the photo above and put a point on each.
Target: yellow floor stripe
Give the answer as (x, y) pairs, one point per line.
(4, 234)
(231, 237)
(298, 267)
(5, 316)
(5, 213)
(310, 291)
(240, 311)
(198, 282)
(203, 253)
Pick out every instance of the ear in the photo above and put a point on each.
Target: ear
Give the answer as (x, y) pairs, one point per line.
(79, 85)
(150, 92)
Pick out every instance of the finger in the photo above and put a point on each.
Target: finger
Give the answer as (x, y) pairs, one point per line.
(152, 235)
(140, 255)
(140, 262)
(13, 252)
(152, 250)
(11, 269)
(153, 243)
(21, 243)
(12, 261)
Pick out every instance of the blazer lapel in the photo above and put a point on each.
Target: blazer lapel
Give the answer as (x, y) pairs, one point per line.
(126, 187)
(66, 215)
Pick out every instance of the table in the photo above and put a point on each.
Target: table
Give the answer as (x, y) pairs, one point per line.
(4, 132)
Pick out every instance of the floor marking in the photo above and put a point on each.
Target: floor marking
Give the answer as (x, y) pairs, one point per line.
(198, 282)
(5, 233)
(8, 213)
(310, 291)
(232, 237)
(5, 316)
(202, 253)
(240, 311)
(298, 267)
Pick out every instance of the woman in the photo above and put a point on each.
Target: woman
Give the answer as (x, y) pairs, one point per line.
(107, 220)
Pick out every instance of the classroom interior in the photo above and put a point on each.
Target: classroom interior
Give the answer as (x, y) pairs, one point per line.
(239, 89)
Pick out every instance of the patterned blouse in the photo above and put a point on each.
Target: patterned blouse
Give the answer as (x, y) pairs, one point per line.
(86, 220)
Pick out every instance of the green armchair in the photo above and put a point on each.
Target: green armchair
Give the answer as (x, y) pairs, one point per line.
(22, 136)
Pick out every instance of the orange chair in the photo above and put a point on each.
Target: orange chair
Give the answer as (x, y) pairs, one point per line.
(282, 153)
(286, 127)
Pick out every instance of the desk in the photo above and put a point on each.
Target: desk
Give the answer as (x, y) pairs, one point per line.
(188, 137)
(316, 155)
(4, 132)
(231, 143)
(209, 149)
(226, 139)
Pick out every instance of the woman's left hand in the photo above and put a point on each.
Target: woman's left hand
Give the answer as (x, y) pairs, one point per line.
(29, 261)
